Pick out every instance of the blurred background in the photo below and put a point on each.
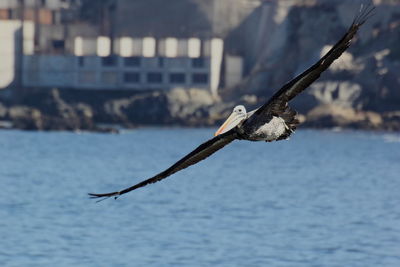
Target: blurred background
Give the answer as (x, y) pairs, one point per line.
(98, 65)
(74, 68)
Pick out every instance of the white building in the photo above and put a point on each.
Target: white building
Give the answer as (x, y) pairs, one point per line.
(73, 56)
(139, 63)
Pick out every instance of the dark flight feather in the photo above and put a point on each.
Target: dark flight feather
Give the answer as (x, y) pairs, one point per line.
(279, 101)
(201, 152)
(276, 106)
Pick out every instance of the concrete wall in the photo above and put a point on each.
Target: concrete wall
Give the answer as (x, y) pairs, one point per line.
(49, 71)
(178, 50)
(93, 72)
(147, 46)
(141, 63)
(51, 4)
(183, 36)
(8, 45)
(181, 18)
(233, 70)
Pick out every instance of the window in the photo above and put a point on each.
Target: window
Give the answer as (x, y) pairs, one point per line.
(56, 16)
(154, 77)
(161, 62)
(109, 61)
(87, 77)
(8, 14)
(131, 77)
(58, 44)
(109, 77)
(198, 62)
(177, 78)
(132, 61)
(81, 61)
(200, 78)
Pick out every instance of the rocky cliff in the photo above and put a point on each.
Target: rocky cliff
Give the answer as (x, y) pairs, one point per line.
(283, 38)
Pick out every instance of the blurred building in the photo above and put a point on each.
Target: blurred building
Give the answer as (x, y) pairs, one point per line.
(139, 63)
(119, 44)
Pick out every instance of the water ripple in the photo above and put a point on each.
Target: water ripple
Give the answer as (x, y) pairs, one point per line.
(321, 199)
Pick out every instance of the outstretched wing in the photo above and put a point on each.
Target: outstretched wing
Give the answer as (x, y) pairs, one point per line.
(278, 102)
(201, 152)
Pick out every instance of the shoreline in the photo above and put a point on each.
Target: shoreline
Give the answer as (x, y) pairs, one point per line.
(117, 129)
(58, 110)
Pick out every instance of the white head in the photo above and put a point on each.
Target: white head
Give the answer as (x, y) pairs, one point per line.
(238, 115)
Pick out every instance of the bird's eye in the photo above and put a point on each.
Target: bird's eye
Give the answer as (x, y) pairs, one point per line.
(240, 110)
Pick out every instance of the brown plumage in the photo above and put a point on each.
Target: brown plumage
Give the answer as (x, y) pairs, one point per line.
(275, 115)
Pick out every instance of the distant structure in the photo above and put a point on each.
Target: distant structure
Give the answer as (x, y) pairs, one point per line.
(121, 45)
(140, 63)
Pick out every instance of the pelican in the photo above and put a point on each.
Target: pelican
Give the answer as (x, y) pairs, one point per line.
(275, 120)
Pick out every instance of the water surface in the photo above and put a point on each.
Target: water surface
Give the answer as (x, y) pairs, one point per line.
(320, 199)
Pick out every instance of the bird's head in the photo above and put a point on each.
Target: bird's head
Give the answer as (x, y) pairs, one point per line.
(238, 116)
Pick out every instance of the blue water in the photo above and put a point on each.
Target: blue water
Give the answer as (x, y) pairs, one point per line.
(320, 199)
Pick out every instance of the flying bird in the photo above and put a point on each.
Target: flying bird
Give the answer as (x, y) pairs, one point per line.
(273, 121)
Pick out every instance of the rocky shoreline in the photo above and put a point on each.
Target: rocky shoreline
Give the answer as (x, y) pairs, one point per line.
(56, 110)
(360, 90)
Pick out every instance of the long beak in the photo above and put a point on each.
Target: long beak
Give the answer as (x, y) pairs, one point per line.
(231, 122)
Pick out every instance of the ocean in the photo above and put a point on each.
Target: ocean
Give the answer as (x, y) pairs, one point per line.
(322, 198)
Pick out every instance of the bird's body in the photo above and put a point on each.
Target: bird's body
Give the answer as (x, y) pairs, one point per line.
(273, 121)
(270, 131)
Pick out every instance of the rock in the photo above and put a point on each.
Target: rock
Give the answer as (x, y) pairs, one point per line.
(190, 107)
(328, 116)
(141, 109)
(59, 115)
(3, 112)
(366, 77)
(26, 118)
(48, 111)
(392, 121)
(84, 116)
(339, 93)
(301, 118)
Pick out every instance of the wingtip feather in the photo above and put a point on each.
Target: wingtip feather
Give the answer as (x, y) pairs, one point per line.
(365, 12)
(104, 196)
